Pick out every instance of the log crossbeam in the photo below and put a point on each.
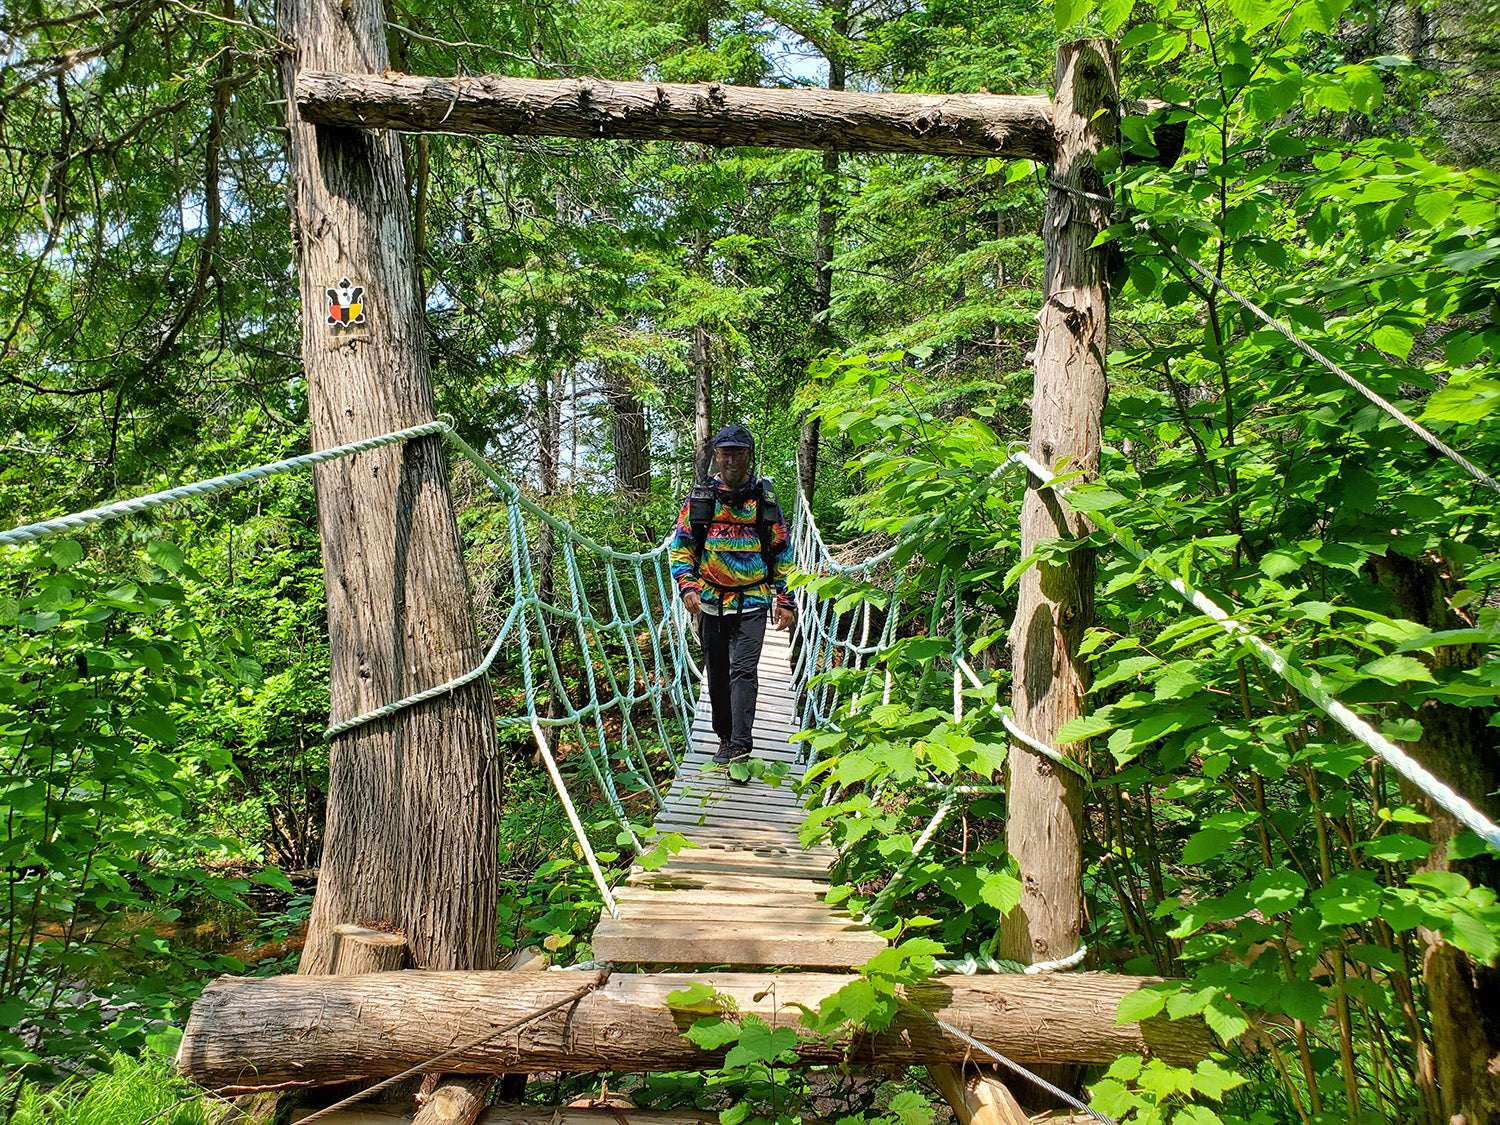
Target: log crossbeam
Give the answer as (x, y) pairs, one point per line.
(254, 1033)
(711, 113)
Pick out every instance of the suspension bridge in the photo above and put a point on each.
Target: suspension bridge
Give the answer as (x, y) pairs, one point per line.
(737, 887)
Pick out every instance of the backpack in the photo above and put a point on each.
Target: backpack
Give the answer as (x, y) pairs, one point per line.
(703, 503)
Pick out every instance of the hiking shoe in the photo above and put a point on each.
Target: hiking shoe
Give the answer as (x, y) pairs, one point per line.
(724, 755)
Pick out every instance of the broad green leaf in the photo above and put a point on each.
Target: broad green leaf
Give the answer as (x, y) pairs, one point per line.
(166, 555)
(712, 1033)
(1398, 670)
(1392, 339)
(1256, 14)
(1206, 844)
(1085, 726)
(1302, 1000)
(274, 877)
(1065, 13)
(1142, 1004)
(65, 553)
(911, 1108)
(1396, 848)
(1479, 939)
(694, 997)
(1272, 892)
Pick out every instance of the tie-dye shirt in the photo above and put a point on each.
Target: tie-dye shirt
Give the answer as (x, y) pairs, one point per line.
(731, 558)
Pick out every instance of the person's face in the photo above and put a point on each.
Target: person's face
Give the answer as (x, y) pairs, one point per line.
(733, 463)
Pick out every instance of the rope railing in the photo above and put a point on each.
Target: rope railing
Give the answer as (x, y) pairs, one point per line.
(1290, 671)
(651, 663)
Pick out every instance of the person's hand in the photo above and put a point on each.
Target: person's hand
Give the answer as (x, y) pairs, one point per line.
(783, 618)
(693, 602)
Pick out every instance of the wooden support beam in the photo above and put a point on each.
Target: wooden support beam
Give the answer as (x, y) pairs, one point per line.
(1055, 598)
(253, 1033)
(708, 113)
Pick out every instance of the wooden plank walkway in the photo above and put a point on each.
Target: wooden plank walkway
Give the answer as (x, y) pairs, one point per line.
(749, 894)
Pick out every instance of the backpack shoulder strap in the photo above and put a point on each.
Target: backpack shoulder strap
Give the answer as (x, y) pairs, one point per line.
(703, 500)
(767, 516)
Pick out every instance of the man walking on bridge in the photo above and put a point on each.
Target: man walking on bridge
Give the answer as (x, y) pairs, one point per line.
(730, 557)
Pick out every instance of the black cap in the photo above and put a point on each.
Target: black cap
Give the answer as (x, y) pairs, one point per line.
(733, 437)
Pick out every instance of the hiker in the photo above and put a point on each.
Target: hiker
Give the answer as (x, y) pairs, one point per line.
(730, 557)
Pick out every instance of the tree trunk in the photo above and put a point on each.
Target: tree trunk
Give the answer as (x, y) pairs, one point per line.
(413, 799)
(710, 113)
(632, 448)
(1460, 746)
(1056, 600)
(810, 433)
(703, 400)
(249, 1033)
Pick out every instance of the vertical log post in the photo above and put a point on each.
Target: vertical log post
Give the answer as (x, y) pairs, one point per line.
(413, 800)
(1056, 600)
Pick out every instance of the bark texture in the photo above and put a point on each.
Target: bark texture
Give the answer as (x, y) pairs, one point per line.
(253, 1033)
(1056, 600)
(413, 799)
(703, 406)
(709, 113)
(1460, 746)
(628, 430)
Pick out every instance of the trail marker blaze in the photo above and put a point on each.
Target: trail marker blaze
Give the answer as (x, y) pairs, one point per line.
(346, 304)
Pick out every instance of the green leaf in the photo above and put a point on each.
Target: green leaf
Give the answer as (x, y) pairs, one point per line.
(1272, 892)
(1397, 847)
(1462, 261)
(1275, 564)
(1206, 844)
(273, 877)
(155, 724)
(1001, 890)
(760, 1043)
(1398, 670)
(65, 553)
(1085, 726)
(1094, 499)
(1478, 938)
(166, 555)
(1143, 1003)
(695, 997)
(1066, 13)
(1302, 1000)
(911, 1108)
(1392, 339)
(1256, 14)
(712, 1032)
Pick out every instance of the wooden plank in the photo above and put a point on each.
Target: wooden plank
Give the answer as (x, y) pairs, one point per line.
(777, 866)
(785, 825)
(828, 947)
(711, 881)
(771, 867)
(757, 846)
(707, 794)
(630, 894)
(793, 917)
(733, 803)
(731, 797)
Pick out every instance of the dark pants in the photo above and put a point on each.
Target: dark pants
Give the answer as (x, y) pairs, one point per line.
(731, 649)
